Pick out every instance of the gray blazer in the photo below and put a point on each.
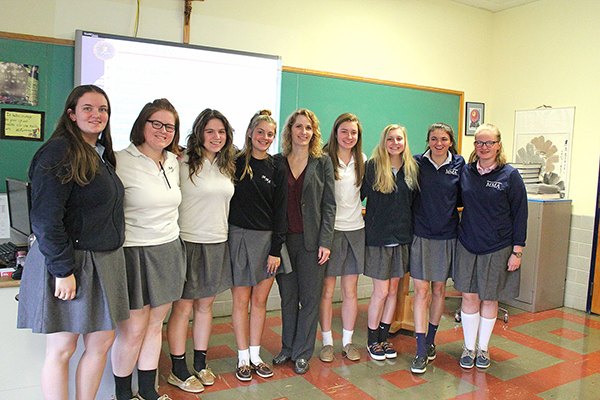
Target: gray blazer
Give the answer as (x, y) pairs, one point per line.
(318, 203)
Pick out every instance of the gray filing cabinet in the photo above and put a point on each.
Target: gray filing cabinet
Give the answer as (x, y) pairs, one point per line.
(544, 262)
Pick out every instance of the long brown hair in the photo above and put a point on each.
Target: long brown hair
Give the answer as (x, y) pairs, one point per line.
(195, 145)
(137, 131)
(315, 146)
(332, 146)
(81, 159)
(246, 152)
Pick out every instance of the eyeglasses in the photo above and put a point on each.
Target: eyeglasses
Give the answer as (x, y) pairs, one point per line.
(158, 126)
(487, 144)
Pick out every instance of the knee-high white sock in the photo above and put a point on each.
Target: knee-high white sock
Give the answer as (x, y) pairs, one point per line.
(243, 357)
(327, 338)
(470, 323)
(486, 327)
(255, 355)
(346, 337)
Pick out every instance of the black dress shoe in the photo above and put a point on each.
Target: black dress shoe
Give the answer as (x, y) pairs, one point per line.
(301, 366)
(281, 359)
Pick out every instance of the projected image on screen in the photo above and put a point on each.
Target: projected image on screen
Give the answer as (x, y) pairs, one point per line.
(136, 71)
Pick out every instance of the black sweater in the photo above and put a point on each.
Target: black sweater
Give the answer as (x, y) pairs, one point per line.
(388, 219)
(260, 203)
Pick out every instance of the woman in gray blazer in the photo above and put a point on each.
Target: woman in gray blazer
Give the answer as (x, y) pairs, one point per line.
(311, 218)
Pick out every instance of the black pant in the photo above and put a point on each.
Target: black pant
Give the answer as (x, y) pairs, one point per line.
(300, 292)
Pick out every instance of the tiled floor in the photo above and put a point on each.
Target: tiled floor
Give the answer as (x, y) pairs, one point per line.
(549, 355)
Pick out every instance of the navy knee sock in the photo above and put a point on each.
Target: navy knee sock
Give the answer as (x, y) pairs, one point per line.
(431, 331)
(421, 351)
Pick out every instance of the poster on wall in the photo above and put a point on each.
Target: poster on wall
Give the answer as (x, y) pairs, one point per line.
(474, 117)
(19, 84)
(544, 136)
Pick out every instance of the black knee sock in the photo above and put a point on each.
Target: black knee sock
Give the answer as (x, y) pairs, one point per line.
(180, 369)
(384, 330)
(431, 331)
(146, 383)
(373, 336)
(199, 360)
(123, 387)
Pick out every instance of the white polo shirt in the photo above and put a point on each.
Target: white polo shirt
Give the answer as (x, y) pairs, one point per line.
(348, 214)
(150, 204)
(204, 206)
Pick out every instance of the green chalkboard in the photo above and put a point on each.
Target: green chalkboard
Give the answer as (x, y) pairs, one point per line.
(376, 104)
(55, 84)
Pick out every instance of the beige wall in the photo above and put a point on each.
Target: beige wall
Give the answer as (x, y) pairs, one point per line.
(425, 42)
(547, 53)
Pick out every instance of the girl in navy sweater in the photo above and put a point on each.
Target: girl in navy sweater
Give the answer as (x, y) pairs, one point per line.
(434, 242)
(74, 281)
(390, 183)
(491, 237)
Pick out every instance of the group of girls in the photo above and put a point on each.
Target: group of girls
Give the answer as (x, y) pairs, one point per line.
(123, 238)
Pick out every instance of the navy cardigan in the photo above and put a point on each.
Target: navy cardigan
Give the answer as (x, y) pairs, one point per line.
(388, 218)
(67, 216)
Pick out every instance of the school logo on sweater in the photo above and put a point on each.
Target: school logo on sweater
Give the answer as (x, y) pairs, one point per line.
(495, 185)
(452, 171)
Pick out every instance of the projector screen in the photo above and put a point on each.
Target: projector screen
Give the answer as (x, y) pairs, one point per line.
(136, 71)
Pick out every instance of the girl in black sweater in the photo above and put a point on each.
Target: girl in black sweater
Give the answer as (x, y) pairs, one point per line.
(258, 223)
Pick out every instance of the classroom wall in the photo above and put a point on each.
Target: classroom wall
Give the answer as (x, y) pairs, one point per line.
(399, 40)
(546, 52)
(540, 53)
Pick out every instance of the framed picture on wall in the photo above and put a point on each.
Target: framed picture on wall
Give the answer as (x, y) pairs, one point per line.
(474, 116)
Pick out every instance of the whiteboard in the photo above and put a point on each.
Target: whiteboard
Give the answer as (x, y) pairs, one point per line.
(136, 71)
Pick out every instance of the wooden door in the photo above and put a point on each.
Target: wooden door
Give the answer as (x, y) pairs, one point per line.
(594, 291)
(595, 308)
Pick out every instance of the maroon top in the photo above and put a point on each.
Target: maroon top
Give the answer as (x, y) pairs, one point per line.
(294, 204)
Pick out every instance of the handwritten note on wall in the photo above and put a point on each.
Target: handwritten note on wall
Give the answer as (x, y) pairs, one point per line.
(23, 125)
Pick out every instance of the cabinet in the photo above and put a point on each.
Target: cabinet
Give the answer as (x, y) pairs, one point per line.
(544, 262)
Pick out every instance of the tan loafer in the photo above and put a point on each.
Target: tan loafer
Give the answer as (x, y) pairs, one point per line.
(351, 352)
(326, 353)
(163, 397)
(191, 384)
(205, 376)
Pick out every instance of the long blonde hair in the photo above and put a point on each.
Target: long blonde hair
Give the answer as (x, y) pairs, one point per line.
(332, 146)
(246, 152)
(384, 177)
(500, 155)
(315, 146)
